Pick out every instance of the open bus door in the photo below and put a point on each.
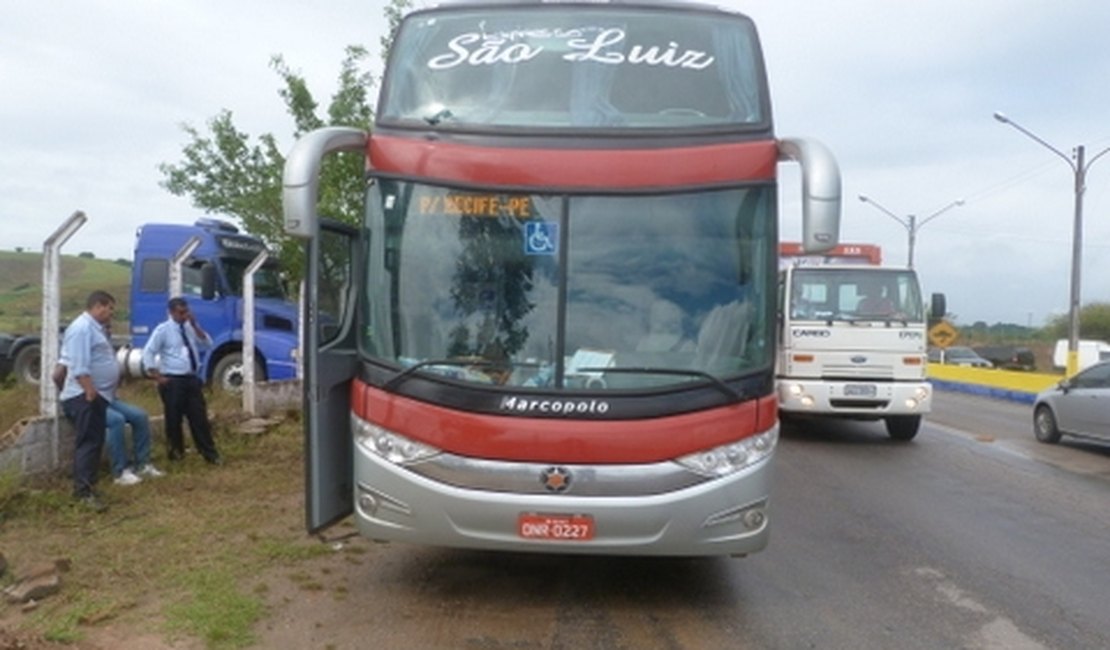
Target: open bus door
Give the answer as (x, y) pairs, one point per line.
(330, 362)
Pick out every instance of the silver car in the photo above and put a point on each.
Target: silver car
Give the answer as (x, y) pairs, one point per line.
(961, 355)
(1079, 406)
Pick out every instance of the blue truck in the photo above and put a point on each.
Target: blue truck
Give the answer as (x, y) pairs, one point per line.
(212, 282)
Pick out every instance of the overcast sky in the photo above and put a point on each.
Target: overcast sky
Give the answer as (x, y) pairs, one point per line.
(94, 94)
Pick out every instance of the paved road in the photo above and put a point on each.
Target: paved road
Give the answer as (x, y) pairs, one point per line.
(966, 538)
(1009, 426)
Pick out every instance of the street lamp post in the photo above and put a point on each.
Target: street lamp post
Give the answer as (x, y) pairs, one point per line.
(910, 223)
(1079, 167)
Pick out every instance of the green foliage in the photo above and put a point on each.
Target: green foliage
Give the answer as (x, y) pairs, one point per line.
(1094, 323)
(980, 333)
(224, 171)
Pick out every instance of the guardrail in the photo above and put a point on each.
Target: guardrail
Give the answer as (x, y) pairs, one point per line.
(991, 382)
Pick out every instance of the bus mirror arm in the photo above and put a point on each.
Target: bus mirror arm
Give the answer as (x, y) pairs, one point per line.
(820, 192)
(300, 177)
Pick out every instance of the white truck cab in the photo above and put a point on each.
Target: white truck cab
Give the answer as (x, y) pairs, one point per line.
(852, 340)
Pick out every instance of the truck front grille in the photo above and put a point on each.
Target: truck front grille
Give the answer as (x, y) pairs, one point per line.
(872, 373)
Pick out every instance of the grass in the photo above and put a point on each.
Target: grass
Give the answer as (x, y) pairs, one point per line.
(21, 288)
(185, 555)
(215, 610)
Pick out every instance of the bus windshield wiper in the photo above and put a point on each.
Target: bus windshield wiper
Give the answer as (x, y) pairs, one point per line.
(403, 375)
(440, 115)
(729, 391)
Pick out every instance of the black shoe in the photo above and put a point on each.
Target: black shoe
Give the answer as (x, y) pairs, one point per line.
(92, 502)
(214, 460)
(176, 455)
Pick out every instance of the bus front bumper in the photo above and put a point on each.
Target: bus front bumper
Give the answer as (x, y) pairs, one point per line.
(721, 516)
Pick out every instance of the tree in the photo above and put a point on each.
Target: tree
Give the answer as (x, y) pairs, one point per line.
(1094, 322)
(224, 172)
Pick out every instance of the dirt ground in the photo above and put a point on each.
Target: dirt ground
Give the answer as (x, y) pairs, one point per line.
(297, 600)
(126, 564)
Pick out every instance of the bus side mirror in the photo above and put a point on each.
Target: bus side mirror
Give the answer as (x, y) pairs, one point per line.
(820, 192)
(207, 281)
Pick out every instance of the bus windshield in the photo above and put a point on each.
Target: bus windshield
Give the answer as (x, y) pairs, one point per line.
(575, 67)
(832, 293)
(569, 291)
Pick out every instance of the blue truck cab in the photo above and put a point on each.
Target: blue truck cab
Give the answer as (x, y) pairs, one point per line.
(212, 282)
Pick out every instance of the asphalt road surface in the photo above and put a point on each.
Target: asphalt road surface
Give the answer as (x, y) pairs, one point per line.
(973, 536)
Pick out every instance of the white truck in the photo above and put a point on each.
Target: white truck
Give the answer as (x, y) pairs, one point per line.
(852, 338)
(1090, 353)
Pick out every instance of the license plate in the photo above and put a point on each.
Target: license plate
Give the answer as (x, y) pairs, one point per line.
(572, 528)
(859, 390)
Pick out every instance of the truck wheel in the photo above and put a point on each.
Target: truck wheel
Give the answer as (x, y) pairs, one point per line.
(903, 427)
(28, 364)
(228, 374)
(789, 422)
(1044, 425)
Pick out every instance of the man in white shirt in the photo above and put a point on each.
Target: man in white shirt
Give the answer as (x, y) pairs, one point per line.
(171, 360)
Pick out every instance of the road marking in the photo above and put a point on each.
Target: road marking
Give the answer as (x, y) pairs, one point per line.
(998, 633)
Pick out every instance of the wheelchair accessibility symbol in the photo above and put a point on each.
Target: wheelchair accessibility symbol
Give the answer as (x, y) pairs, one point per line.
(541, 238)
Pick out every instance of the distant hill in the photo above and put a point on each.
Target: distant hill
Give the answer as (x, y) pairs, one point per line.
(21, 288)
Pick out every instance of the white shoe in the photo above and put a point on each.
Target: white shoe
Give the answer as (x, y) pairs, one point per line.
(151, 471)
(127, 477)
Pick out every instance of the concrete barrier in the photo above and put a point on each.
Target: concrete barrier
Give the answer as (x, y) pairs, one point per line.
(42, 445)
(991, 382)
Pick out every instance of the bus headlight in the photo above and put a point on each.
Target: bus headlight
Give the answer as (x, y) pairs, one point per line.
(727, 459)
(391, 446)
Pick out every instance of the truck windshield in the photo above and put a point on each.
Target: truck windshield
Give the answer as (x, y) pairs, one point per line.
(601, 292)
(267, 280)
(580, 67)
(832, 293)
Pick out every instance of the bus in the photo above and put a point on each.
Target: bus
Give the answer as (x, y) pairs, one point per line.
(554, 328)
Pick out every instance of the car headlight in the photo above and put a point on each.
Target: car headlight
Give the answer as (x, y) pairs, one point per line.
(733, 457)
(388, 445)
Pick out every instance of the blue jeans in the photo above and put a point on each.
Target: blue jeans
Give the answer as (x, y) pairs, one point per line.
(121, 413)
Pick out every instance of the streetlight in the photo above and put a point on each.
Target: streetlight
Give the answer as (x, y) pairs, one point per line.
(910, 223)
(1079, 167)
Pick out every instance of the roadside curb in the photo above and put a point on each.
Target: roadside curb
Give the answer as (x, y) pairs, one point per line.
(1010, 385)
(984, 391)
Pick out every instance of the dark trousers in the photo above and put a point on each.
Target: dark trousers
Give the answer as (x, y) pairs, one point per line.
(183, 398)
(90, 420)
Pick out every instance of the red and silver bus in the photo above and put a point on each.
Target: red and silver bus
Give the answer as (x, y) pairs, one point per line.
(554, 328)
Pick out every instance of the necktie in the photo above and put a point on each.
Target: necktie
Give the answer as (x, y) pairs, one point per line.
(189, 347)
